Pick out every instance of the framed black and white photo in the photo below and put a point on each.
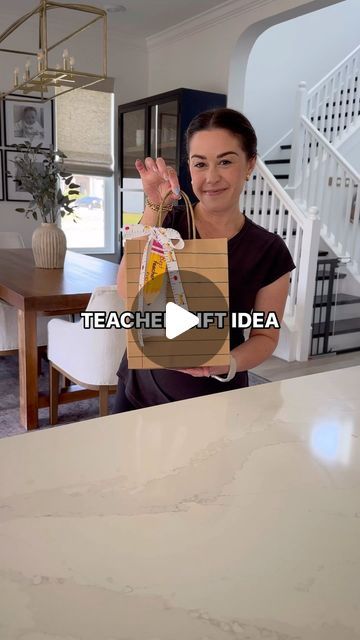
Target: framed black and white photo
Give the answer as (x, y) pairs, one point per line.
(1, 176)
(15, 192)
(28, 120)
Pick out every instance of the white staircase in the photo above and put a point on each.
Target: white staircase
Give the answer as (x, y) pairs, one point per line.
(268, 204)
(305, 190)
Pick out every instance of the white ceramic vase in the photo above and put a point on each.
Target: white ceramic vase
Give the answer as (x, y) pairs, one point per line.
(49, 246)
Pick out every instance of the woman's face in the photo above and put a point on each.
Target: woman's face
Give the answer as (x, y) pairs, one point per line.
(218, 168)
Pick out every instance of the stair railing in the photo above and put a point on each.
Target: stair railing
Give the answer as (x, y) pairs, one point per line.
(322, 177)
(333, 104)
(321, 325)
(270, 206)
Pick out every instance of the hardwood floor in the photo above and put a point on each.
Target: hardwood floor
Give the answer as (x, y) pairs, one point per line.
(277, 369)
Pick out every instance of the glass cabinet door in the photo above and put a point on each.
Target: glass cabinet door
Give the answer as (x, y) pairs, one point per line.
(133, 141)
(133, 147)
(164, 131)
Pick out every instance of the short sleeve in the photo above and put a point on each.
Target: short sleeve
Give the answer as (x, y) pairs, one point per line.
(278, 261)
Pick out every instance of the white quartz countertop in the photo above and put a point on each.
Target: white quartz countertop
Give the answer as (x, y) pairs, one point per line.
(228, 517)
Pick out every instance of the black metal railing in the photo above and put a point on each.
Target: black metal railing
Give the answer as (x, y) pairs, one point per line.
(326, 272)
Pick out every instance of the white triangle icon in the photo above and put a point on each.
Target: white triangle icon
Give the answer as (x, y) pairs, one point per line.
(178, 320)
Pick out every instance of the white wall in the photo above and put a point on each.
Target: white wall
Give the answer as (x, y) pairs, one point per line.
(127, 63)
(305, 48)
(199, 57)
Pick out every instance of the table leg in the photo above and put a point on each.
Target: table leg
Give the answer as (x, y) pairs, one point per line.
(28, 369)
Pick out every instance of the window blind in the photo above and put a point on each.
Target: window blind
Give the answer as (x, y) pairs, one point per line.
(84, 129)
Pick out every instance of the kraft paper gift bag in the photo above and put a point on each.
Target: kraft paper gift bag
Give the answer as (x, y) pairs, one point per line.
(161, 267)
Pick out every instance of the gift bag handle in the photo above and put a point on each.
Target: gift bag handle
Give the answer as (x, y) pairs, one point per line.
(189, 212)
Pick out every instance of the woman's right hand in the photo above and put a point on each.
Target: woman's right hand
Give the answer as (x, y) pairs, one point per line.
(157, 179)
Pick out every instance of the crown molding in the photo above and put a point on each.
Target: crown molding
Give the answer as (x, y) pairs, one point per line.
(223, 13)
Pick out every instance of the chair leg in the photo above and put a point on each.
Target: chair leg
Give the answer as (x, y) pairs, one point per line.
(65, 382)
(39, 360)
(54, 394)
(103, 401)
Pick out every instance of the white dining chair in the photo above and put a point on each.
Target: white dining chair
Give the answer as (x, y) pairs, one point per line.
(9, 342)
(88, 357)
(11, 240)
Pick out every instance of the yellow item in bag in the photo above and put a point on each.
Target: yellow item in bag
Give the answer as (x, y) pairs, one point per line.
(155, 272)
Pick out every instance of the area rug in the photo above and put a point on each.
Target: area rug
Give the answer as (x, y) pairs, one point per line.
(74, 412)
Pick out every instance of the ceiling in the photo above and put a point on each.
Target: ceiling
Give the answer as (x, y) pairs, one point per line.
(141, 18)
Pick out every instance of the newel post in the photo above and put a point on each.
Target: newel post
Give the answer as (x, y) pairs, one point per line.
(307, 282)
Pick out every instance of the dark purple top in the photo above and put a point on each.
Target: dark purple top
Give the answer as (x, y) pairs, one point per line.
(256, 258)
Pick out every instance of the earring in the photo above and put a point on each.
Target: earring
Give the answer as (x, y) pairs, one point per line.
(248, 177)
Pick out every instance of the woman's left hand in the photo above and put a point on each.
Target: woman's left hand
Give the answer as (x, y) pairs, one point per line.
(201, 372)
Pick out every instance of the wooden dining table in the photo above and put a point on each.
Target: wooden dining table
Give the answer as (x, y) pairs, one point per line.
(34, 291)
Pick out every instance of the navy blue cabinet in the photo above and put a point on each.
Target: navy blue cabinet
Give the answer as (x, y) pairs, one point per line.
(156, 127)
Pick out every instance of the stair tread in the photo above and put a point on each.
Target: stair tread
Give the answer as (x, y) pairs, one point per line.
(341, 298)
(278, 161)
(285, 146)
(349, 325)
(282, 177)
(323, 253)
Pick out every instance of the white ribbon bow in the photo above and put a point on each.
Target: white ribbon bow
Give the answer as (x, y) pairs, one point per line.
(165, 238)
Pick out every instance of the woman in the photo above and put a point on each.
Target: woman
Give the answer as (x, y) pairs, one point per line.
(221, 147)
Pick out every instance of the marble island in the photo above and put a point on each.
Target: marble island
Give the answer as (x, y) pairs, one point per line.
(229, 517)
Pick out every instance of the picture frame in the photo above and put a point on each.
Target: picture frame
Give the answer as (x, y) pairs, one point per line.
(2, 186)
(28, 120)
(14, 192)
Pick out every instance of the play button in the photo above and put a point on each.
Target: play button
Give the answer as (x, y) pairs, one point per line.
(178, 320)
(180, 339)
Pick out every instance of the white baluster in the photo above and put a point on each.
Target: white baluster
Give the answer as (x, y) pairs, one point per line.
(344, 107)
(313, 172)
(331, 109)
(345, 230)
(264, 203)
(333, 123)
(256, 199)
(304, 168)
(316, 121)
(335, 205)
(289, 229)
(354, 243)
(324, 108)
(249, 196)
(328, 187)
(297, 141)
(357, 89)
(321, 182)
(280, 221)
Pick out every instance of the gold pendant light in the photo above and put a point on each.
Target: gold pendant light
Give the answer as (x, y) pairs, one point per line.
(46, 82)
